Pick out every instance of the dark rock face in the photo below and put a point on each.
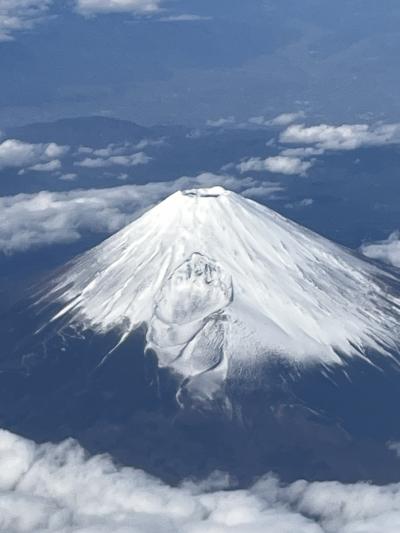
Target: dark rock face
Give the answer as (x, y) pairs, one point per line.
(60, 382)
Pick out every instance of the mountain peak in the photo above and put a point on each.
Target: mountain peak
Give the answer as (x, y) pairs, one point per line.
(211, 192)
(224, 284)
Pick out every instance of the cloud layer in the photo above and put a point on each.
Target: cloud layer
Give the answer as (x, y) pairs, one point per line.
(59, 488)
(344, 137)
(31, 220)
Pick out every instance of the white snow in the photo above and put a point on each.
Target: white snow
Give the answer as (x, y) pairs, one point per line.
(224, 283)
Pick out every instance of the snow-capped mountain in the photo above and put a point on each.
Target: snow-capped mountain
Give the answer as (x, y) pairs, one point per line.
(213, 326)
(224, 283)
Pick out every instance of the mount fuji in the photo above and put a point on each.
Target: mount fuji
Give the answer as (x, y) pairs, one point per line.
(212, 325)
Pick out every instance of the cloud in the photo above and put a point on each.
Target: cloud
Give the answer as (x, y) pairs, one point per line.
(18, 15)
(137, 7)
(387, 251)
(221, 122)
(32, 220)
(117, 154)
(281, 120)
(120, 149)
(186, 17)
(14, 153)
(140, 158)
(68, 177)
(60, 489)
(51, 166)
(145, 143)
(344, 137)
(306, 202)
(85, 150)
(278, 164)
(302, 152)
(395, 447)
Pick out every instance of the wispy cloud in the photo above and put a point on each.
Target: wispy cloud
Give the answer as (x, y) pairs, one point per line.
(185, 17)
(32, 220)
(70, 176)
(300, 204)
(221, 122)
(283, 119)
(141, 7)
(18, 15)
(127, 160)
(126, 154)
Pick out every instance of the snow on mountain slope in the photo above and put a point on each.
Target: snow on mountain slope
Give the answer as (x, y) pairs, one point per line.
(224, 283)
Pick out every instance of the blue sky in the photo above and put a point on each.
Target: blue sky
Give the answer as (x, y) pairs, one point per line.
(176, 61)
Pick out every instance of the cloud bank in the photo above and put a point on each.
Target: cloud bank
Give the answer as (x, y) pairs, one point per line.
(387, 251)
(344, 137)
(60, 489)
(18, 15)
(32, 220)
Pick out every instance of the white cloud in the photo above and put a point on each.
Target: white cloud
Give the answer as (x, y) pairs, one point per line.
(141, 7)
(281, 120)
(387, 251)
(287, 118)
(123, 177)
(68, 177)
(145, 143)
(85, 150)
(186, 17)
(344, 137)
(109, 150)
(127, 160)
(14, 153)
(51, 166)
(302, 152)
(18, 15)
(221, 122)
(32, 220)
(395, 447)
(60, 489)
(120, 149)
(278, 164)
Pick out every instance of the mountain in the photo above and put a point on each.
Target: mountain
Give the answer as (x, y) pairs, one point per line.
(97, 131)
(224, 284)
(212, 325)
